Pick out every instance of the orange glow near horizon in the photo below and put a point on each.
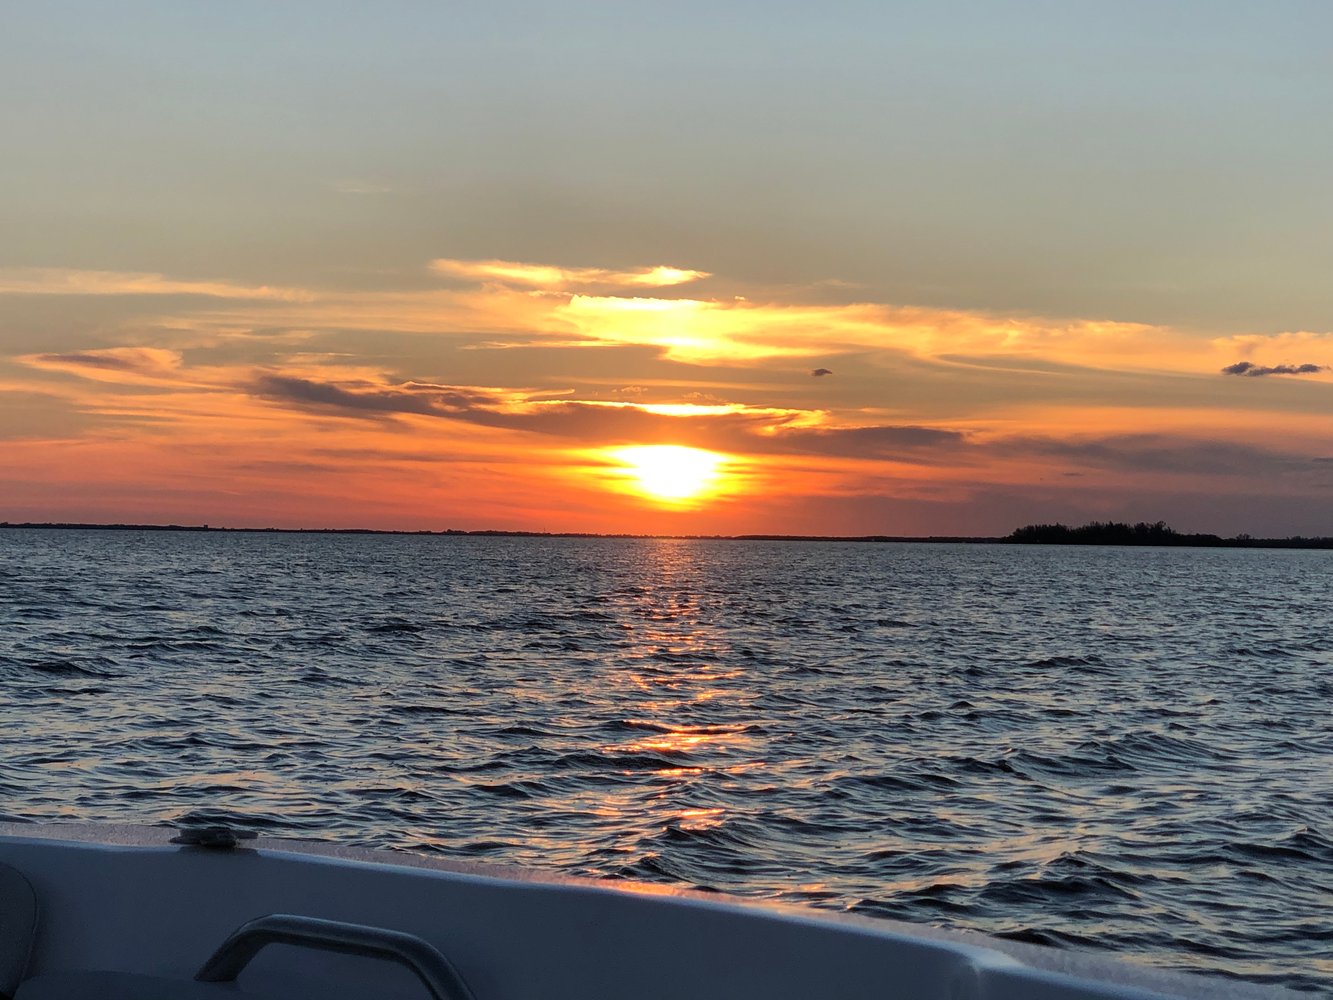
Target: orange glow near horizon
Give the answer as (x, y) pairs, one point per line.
(529, 396)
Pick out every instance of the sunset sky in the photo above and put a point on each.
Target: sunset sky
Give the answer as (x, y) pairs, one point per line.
(866, 268)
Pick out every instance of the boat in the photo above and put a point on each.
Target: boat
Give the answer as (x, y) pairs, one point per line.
(97, 912)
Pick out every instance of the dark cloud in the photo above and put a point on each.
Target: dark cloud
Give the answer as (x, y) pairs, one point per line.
(623, 424)
(152, 363)
(1160, 453)
(1251, 369)
(777, 432)
(409, 397)
(757, 431)
(821, 371)
(884, 441)
(568, 419)
(92, 360)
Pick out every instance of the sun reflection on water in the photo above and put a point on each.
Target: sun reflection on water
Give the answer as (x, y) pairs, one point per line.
(683, 741)
(701, 819)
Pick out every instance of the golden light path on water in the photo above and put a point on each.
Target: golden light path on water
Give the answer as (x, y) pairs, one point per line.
(675, 678)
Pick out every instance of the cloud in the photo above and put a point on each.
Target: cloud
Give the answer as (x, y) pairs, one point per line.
(552, 277)
(944, 403)
(586, 421)
(513, 304)
(1252, 370)
(729, 427)
(772, 431)
(522, 304)
(112, 364)
(66, 281)
(873, 442)
(698, 331)
(408, 397)
(1160, 454)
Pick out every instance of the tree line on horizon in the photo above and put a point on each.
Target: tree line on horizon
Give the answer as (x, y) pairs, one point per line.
(1143, 533)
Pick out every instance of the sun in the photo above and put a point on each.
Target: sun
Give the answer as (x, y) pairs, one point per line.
(671, 473)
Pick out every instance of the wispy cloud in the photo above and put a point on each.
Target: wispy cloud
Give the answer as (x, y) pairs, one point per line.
(112, 364)
(516, 305)
(585, 421)
(553, 277)
(1157, 454)
(66, 281)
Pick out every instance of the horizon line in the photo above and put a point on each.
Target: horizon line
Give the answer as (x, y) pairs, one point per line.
(488, 532)
(1180, 539)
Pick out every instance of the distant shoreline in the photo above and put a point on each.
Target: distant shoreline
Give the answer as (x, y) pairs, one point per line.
(1023, 536)
(494, 533)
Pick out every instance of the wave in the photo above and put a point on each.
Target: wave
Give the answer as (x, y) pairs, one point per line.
(944, 733)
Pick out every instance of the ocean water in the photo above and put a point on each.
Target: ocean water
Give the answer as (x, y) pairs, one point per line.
(1126, 750)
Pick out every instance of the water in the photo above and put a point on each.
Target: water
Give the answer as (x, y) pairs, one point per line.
(1118, 749)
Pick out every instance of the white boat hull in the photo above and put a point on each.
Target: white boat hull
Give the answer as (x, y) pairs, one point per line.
(126, 900)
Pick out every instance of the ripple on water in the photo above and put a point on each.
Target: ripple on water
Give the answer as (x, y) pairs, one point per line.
(1124, 750)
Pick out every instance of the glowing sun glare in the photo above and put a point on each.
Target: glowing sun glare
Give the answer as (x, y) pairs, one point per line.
(669, 472)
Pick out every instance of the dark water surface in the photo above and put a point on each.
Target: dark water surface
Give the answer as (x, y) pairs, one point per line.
(1119, 749)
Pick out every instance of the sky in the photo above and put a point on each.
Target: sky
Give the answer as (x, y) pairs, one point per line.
(702, 268)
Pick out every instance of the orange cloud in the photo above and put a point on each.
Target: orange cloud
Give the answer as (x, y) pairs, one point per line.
(520, 304)
(552, 277)
(708, 331)
(532, 304)
(66, 281)
(927, 404)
